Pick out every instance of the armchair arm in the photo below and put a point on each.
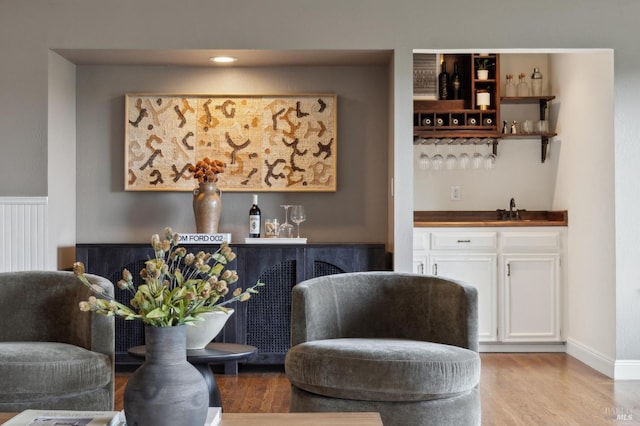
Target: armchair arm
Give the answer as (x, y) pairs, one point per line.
(102, 327)
(313, 312)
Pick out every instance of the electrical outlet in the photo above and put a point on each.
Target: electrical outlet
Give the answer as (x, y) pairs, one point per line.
(455, 193)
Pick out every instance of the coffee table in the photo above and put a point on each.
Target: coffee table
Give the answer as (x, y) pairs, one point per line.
(285, 419)
(213, 353)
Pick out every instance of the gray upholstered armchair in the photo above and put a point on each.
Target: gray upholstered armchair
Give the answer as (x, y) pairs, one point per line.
(52, 355)
(403, 345)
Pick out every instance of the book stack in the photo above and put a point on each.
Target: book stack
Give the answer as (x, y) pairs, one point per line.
(87, 418)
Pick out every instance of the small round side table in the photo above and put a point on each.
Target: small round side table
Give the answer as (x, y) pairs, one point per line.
(213, 353)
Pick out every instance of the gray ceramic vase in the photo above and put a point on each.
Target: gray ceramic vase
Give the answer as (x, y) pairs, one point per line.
(166, 390)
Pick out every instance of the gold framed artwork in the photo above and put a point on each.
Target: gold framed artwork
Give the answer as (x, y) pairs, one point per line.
(268, 142)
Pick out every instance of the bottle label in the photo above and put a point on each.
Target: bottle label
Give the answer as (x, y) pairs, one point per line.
(254, 225)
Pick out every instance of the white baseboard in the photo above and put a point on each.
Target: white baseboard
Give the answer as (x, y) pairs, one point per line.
(522, 347)
(627, 369)
(592, 358)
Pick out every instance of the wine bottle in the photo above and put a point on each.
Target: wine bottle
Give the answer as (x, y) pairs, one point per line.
(443, 82)
(254, 219)
(456, 83)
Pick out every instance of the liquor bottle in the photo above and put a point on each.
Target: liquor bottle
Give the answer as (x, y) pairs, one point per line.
(443, 82)
(254, 219)
(456, 83)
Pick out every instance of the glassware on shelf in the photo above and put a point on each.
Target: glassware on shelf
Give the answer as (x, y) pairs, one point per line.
(542, 126)
(286, 229)
(523, 87)
(271, 228)
(510, 87)
(536, 82)
(298, 216)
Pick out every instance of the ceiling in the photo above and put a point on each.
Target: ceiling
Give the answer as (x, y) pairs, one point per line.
(246, 57)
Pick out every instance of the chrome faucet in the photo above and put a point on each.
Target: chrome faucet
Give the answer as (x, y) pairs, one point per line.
(513, 212)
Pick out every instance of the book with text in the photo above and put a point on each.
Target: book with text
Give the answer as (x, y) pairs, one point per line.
(65, 417)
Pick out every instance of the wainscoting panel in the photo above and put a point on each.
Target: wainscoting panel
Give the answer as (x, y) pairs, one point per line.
(23, 233)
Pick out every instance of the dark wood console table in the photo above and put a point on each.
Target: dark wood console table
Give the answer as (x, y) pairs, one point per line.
(263, 321)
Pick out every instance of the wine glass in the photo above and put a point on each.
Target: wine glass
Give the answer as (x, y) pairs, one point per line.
(478, 158)
(451, 161)
(437, 160)
(490, 158)
(298, 216)
(425, 161)
(286, 229)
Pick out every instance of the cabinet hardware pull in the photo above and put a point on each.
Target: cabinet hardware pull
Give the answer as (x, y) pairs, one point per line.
(435, 269)
(508, 269)
(464, 241)
(421, 268)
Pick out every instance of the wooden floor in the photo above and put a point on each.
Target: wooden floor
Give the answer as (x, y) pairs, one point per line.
(516, 389)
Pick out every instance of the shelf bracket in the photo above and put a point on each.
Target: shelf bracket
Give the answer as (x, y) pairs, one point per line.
(545, 145)
(543, 109)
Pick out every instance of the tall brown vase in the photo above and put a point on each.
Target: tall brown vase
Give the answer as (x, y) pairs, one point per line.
(207, 206)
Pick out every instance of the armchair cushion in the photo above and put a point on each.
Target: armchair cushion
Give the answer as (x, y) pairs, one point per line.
(383, 369)
(33, 369)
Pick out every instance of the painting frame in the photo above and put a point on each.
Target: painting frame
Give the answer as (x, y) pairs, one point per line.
(269, 143)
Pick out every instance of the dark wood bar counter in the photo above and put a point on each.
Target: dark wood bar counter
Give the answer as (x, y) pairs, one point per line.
(488, 218)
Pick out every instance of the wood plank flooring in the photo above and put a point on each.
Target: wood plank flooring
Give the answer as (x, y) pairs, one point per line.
(516, 389)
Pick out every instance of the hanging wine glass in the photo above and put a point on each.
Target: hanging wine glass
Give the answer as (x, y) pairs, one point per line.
(451, 161)
(286, 229)
(478, 158)
(437, 160)
(490, 158)
(298, 216)
(425, 161)
(463, 159)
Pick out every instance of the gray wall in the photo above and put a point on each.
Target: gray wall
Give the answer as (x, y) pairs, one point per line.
(356, 212)
(29, 29)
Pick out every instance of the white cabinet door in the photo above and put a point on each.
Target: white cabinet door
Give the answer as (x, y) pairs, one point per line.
(420, 264)
(531, 297)
(480, 271)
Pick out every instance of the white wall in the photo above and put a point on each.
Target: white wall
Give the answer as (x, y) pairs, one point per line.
(356, 212)
(61, 162)
(583, 84)
(517, 173)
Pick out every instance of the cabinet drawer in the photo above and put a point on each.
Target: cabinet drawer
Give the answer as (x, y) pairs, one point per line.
(530, 241)
(463, 240)
(420, 239)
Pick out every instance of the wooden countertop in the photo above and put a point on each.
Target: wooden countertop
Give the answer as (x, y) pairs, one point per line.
(490, 218)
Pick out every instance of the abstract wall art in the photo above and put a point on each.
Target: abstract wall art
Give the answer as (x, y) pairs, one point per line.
(268, 142)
